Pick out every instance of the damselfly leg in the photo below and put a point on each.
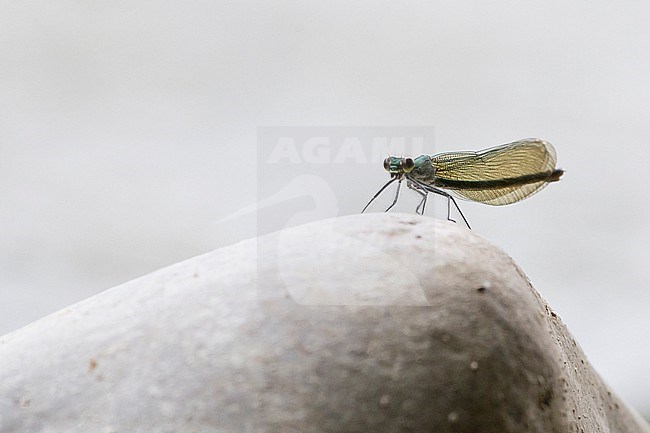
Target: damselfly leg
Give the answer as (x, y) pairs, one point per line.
(399, 184)
(420, 208)
(419, 186)
(380, 191)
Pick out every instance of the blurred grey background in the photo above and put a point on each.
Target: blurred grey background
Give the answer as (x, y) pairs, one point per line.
(128, 131)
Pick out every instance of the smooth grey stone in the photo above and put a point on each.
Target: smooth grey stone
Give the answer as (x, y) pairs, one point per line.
(364, 323)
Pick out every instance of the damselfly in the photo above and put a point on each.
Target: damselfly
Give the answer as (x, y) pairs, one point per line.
(497, 176)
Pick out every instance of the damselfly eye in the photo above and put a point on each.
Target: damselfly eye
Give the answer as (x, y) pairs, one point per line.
(387, 164)
(408, 165)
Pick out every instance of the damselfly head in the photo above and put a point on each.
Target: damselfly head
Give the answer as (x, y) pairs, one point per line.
(395, 165)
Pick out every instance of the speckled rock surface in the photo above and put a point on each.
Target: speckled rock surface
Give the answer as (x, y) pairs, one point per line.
(375, 322)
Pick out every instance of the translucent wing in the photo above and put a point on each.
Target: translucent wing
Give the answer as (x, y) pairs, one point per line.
(500, 175)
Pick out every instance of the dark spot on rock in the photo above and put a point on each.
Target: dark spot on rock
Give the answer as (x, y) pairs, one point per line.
(553, 314)
(418, 236)
(92, 364)
(481, 289)
(545, 398)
